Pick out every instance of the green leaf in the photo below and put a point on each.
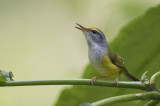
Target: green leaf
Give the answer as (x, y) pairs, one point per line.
(139, 44)
(5, 76)
(86, 104)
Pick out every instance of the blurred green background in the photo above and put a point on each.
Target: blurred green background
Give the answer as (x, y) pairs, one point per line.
(39, 41)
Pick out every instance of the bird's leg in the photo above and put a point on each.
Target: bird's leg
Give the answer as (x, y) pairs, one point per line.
(117, 78)
(96, 77)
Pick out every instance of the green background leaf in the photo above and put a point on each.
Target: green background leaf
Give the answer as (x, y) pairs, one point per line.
(139, 44)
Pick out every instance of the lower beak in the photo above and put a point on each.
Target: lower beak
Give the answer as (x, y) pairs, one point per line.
(82, 28)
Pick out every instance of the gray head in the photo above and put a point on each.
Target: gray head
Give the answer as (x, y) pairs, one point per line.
(94, 36)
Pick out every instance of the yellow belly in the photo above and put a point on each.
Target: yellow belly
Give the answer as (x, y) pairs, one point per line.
(109, 68)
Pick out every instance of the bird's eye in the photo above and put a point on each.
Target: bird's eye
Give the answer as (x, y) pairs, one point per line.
(100, 36)
(94, 31)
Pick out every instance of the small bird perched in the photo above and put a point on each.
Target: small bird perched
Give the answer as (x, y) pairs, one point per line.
(101, 56)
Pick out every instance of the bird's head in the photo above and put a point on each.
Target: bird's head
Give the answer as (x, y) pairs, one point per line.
(94, 36)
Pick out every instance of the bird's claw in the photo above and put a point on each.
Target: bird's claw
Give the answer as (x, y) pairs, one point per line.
(93, 80)
(116, 81)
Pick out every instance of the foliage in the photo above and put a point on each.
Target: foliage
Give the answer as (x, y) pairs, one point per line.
(139, 44)
(5, 76)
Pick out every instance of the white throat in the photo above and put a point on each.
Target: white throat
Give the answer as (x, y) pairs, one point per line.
(96, 53)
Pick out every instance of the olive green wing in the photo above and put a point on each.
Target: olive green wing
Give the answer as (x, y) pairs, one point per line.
(117, 60)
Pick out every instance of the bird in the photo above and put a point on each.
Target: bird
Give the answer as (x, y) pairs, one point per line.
(107, 63)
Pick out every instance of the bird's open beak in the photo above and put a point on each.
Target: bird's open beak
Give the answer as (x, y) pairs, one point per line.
(82, 28)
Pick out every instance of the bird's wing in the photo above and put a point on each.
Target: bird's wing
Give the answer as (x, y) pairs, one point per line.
(117, 60)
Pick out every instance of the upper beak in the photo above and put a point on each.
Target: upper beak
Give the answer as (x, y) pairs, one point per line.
(82, 28)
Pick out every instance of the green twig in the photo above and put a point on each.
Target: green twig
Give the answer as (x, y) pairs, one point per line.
(121, 84)
(152, 103)
(153, 95)
(154, 77)
(153, 80)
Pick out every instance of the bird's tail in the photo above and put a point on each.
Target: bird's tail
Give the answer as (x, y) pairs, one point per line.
(131, 77)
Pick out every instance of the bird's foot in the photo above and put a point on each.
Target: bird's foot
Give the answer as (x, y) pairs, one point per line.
(117, 78)
(116, 81)
(93, 79)
(96, 77)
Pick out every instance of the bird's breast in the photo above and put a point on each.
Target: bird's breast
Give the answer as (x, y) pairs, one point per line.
(95, 56)
(102, 62)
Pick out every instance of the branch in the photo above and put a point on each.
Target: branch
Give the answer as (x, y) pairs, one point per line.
(154, 77)
(121, 84)
(152, 103)
(153, 80)
(130, 97)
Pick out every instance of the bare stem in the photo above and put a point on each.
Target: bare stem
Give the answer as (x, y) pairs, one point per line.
(152, 103)
(121, 84)
(153, 80)
(153, 95)
(154, 77)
